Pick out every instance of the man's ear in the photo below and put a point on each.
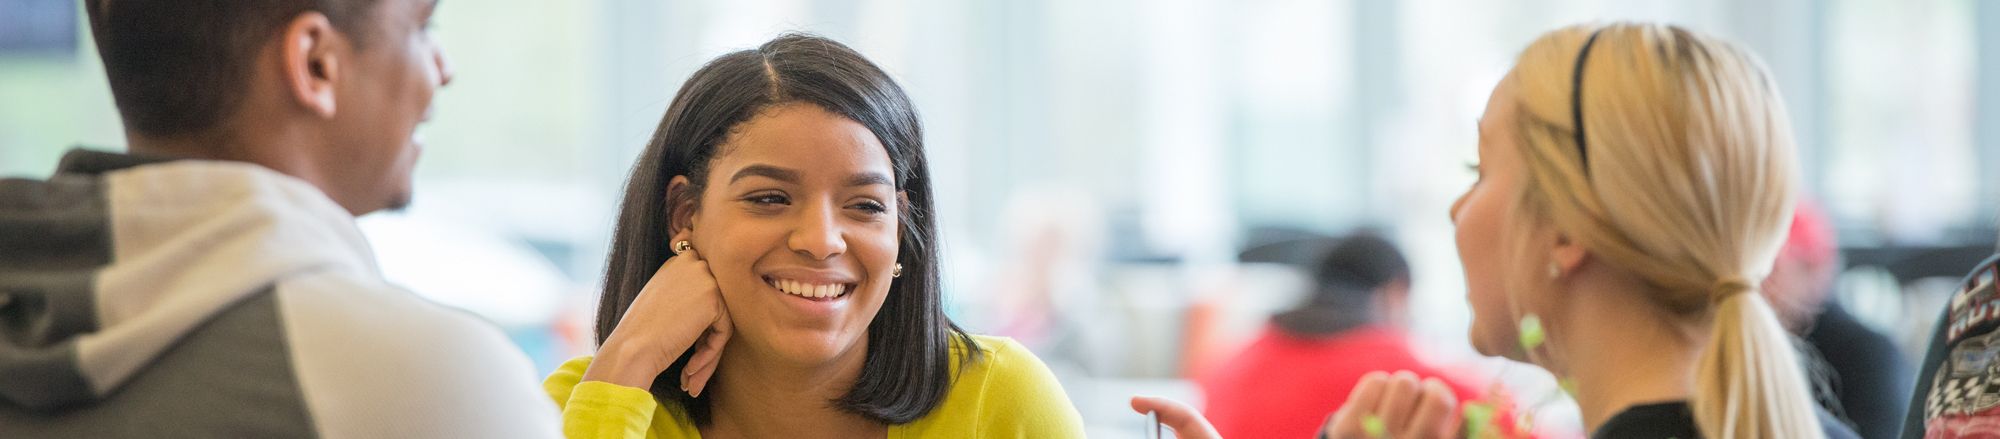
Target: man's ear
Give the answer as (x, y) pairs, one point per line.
(310, 55)
(681, 205)
(1398, 288)
(1394, 297)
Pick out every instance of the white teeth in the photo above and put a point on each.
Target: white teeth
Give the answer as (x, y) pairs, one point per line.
(803, 289)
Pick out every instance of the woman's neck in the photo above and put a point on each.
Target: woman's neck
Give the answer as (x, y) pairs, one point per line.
(1621, 350)
(762, 397)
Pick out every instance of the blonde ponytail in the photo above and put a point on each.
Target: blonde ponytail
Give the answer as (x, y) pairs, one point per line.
(1687, 183)
(1749, 384)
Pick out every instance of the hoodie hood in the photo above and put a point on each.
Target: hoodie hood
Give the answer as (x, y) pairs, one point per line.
(116, 258)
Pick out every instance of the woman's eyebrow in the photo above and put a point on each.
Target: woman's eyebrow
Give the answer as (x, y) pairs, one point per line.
(868, 179)
(794, 177)
(766, 171)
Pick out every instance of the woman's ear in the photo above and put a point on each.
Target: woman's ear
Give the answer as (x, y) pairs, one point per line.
(681, 204)
(1568, 254)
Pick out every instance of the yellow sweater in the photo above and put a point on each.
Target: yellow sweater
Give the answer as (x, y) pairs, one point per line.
(1008, 393)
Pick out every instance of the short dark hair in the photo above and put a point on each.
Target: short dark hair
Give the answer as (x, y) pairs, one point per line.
(907, 369)
(1353, 269)
(1348, 274)
(178, 66)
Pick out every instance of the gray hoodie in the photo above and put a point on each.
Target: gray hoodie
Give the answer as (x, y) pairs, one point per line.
(147, 298)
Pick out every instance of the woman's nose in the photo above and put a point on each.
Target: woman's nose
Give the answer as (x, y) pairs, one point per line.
(818, 234)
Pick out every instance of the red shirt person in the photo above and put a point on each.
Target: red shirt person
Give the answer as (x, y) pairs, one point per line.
(1302, 366)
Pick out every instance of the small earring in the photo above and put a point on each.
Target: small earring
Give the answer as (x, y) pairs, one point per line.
(1555, 271)
(898, 272)
(682, 246)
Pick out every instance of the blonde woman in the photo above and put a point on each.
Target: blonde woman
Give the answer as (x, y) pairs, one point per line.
(1635, 185)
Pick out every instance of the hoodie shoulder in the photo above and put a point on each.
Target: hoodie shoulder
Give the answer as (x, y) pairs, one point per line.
(374, 360)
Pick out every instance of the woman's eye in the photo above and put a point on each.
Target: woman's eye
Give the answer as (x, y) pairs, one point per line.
(872, 207)
(767, 200)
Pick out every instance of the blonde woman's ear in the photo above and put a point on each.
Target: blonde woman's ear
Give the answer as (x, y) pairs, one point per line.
(1568, 255)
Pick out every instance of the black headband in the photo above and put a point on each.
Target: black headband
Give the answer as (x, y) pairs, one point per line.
(1576, 101)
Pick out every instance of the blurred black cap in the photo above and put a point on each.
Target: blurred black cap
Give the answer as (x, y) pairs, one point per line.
(1346, 276)
(1358, 264)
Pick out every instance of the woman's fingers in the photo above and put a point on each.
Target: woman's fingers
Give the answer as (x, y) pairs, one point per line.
(1397, 399)
(691, 276)
(1433, 413)
(703, 357)
(1395, 405)
(707, 349)
(1185, 420)
(672, 315)
(1347, 422)
(697, 378)
(711, 347)
(1365, 396)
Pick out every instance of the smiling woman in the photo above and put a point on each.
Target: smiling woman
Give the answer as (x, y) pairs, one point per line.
(776, 243)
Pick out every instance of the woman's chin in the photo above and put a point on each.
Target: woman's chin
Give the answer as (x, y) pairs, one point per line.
(814, 347)
(1487, 346)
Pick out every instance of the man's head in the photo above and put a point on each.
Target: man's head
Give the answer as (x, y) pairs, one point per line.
(1361, 278)
(330, 91)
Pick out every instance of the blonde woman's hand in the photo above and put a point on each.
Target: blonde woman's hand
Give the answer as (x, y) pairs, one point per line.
(680, 308)
(1396, 406)
(1185, 420)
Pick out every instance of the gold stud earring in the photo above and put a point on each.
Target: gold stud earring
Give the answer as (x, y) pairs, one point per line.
(898, 272)
(682, 246)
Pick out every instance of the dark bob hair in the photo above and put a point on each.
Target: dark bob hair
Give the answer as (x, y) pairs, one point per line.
(907, 369)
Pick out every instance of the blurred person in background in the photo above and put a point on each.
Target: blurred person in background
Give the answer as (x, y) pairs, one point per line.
(1635, 185)
(1045, 292)
(774, 273)
(1859, 373)
(1305, 362)
(211, 283)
